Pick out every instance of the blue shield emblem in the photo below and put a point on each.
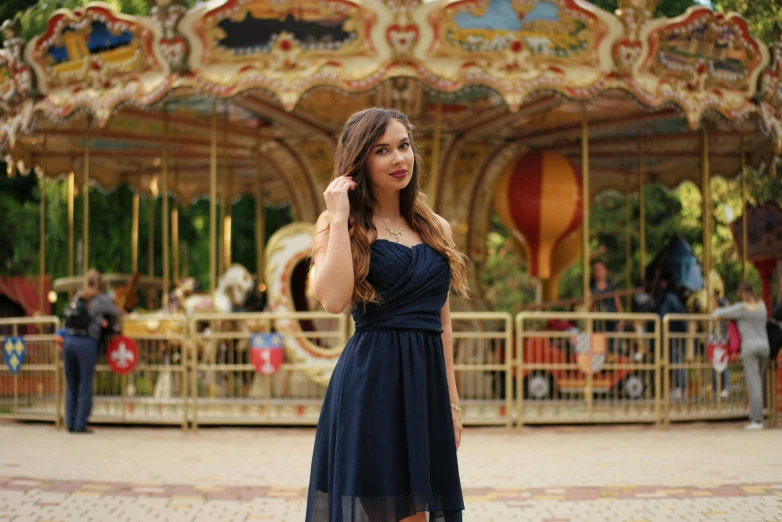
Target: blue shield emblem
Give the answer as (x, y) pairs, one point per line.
(267, 352)
(13, 350)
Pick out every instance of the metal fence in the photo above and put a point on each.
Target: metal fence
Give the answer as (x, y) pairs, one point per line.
(694, 389)
(33, 393)
(482, 366)
(155, 392)
(587, 368)
(560, 368)
(227, 389)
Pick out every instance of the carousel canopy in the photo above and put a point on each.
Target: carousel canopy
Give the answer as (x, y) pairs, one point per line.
(490, 78)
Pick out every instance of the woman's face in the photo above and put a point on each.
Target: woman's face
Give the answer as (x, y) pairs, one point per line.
(391, 159)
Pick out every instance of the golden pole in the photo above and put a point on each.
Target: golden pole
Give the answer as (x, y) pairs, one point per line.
(706, 194)
(164, 210)
(260, 222)
(42, 232)
(641, 207)
(86, 231)
(585, 206)
(151, 229)
(213, 202)
(134, 235)
(71, 190)
(227, 197)
(628, 247)
(435, 171)
(175, 230)
(744, 241)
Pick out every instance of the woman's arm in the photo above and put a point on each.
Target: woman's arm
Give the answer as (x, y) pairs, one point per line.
(453, 393)
(332, 278)
(735, 311)
(447, 338)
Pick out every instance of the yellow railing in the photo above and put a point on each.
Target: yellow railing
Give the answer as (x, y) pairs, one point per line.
(693, 389)
(576, 367)
(33, 393)
(544, 367)
(155, 392)
(484, 371)
(225, 387)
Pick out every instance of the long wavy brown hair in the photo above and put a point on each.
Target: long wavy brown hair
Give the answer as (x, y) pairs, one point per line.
(361, 131)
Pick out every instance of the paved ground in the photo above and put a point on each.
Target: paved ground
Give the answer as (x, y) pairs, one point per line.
(684, 474)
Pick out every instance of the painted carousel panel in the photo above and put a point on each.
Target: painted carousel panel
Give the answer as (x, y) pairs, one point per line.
(96, 58)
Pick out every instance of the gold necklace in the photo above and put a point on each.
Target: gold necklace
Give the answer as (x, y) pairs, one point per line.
(396, 233)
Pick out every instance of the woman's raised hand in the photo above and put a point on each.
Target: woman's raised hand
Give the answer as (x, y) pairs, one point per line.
(336, 197)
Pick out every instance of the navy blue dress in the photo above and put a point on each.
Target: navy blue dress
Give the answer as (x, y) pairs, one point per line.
(385, 447)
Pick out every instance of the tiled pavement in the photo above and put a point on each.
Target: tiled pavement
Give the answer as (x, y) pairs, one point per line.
(685, 473)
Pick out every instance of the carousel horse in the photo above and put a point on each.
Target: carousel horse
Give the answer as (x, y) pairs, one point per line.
(234, 289)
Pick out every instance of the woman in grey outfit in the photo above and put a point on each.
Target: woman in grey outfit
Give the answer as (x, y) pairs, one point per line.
(750, 316)
(80, 353)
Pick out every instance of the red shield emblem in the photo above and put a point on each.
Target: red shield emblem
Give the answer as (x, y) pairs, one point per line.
(122, 355)
(267, 352)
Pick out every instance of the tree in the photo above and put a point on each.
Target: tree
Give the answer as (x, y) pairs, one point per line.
(666, 8)
(760, 15)
(10, 8)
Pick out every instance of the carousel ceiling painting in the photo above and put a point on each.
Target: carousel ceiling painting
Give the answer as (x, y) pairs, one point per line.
(257, 91)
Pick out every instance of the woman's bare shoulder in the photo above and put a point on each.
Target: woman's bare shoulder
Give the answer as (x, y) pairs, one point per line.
(444, 223)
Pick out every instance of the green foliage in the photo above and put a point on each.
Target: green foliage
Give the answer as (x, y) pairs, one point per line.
(666, 8)
(761, 15)
(668, 212)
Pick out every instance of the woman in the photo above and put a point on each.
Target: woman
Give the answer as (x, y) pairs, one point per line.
(80, 350)
(385, 448)
(750, 316)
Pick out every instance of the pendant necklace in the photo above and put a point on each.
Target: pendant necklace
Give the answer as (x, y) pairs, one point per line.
(396, 233)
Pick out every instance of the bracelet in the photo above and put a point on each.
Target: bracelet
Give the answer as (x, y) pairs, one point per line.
(458, 410)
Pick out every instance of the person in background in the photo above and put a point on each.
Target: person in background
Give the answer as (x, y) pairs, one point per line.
(604, 299)
(667, 302)
(80, 349)
(776, 312)
(721, 302)
(750, 316)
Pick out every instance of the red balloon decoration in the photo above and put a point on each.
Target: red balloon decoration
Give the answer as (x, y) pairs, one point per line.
(543, 194)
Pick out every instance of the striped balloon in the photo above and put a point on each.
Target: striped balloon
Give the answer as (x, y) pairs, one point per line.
(544, 200)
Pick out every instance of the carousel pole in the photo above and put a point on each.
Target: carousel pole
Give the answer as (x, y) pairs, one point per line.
(260, 221)
(153, 192)
(641, 207)
(628, 246)
(71, 190)
(744, 241)
(585, 206)
(134, 234)
(213, 201)
(42, 232)
(706, 195)
(164, 210)
(434, 181)
(175, 230)
(227, 197)
(588, 386)
(221, 266)
(86, 190)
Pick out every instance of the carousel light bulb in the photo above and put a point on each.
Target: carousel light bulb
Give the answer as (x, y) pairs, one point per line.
(52, 296)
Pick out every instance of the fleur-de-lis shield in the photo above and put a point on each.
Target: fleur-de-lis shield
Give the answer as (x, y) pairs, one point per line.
(13, 350)
(122, 354)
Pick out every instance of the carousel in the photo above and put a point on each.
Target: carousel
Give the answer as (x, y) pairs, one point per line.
(527, 108)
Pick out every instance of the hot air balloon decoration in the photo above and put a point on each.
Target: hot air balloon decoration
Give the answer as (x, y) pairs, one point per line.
(538, 200)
